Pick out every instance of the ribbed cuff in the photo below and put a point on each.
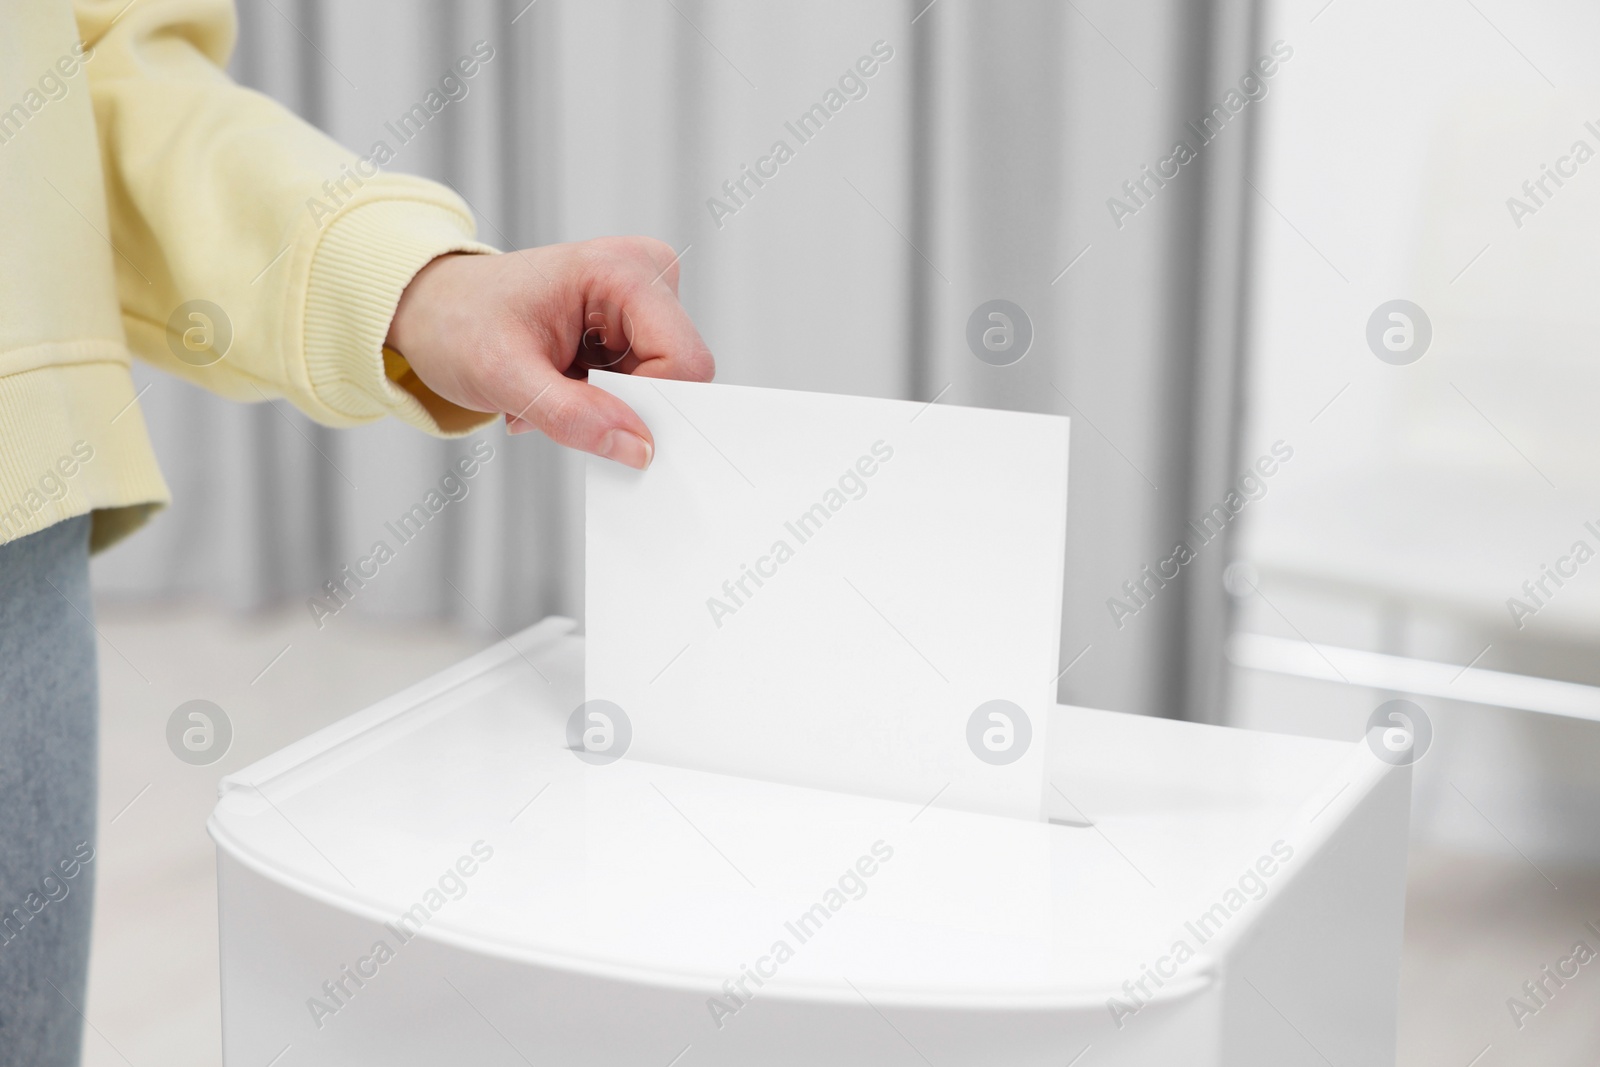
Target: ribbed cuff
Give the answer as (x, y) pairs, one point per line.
(361, 266)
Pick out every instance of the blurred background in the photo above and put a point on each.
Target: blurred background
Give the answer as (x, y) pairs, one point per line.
(1370, 271)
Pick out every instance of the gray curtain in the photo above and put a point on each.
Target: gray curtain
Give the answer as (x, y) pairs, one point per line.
(977, 165)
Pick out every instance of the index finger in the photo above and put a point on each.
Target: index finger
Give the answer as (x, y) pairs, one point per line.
(663, 341)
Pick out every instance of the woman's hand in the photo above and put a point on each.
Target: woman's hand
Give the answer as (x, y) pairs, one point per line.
(515, 333)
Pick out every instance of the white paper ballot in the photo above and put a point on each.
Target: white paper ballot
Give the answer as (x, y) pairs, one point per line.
(842, 592)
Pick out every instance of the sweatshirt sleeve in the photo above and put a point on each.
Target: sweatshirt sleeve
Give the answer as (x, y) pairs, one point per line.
(217, 194)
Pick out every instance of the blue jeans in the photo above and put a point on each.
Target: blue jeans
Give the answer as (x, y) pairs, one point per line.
(48, 726)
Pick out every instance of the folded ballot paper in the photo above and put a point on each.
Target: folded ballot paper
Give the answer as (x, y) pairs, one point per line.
(841, 592)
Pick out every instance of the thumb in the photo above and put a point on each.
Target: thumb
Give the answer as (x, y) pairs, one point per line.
(578, 415)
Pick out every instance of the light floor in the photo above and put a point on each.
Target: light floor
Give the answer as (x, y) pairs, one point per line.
(1475, 929)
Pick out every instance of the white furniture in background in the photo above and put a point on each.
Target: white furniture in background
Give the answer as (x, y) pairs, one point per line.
(613, 914)
(1425, 497)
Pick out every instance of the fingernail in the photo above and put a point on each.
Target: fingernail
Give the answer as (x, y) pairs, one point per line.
(627, 448)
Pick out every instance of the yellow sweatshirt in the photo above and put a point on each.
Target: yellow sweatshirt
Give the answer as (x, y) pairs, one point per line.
(151, 205)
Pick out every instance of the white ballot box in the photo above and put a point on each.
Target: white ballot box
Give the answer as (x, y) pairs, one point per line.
(456, 875)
